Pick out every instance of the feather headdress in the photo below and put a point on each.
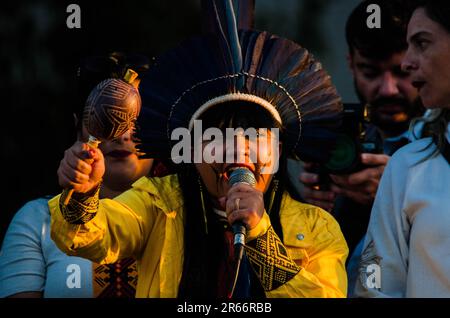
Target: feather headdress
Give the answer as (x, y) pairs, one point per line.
(274, 73)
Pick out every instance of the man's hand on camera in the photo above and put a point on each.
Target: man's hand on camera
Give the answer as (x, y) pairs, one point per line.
(361, 186)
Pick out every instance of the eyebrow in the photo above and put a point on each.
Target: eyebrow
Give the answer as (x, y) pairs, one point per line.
(397, 69)
(366, 65)
(417, 35)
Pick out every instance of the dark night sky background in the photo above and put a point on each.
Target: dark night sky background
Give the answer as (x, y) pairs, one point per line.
(38, 62)
(39, 57)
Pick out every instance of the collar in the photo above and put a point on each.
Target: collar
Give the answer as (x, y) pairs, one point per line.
(391, 144)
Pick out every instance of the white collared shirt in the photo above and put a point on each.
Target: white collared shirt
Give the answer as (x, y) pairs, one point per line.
(407, 248)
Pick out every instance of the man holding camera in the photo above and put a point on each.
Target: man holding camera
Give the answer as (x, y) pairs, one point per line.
(375, 57)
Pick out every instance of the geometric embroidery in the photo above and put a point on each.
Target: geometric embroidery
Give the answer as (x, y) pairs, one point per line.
(81, 208)
(116, 280)
(270, 260)
(119, 107)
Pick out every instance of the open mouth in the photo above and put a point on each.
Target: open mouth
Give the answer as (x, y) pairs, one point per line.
(119, 154)
(230, 168)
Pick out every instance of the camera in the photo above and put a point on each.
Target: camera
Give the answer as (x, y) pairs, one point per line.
(350, 144)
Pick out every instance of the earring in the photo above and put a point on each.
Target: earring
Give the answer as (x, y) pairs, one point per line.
(272, 195)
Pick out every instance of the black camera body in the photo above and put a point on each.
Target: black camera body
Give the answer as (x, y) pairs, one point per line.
(351, 142)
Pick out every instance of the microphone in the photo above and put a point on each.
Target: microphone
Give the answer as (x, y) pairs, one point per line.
(240, 175)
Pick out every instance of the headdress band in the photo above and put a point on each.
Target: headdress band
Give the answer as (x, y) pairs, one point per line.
(236, 97)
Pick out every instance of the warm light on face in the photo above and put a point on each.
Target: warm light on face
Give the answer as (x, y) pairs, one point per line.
(427, 59)
(235, 146)
(256, 149)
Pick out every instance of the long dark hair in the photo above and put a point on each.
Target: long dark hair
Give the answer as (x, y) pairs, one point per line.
(435, 126)
(203, 238)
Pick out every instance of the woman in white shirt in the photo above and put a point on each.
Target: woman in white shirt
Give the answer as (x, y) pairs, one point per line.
(407, 249)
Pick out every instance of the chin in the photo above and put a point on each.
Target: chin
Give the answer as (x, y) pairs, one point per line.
(430, 104)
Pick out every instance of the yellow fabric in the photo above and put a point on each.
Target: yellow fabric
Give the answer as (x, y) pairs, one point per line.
(146, 223)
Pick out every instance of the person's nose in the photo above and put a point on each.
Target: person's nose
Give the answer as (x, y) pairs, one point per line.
(408, 63)
(389, 85)
(236, 149)
(240, 149)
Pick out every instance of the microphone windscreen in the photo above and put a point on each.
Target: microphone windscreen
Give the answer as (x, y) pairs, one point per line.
(242, 175)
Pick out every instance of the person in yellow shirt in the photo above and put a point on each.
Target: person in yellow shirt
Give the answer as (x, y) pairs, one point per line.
(244, 100)
(31, 266)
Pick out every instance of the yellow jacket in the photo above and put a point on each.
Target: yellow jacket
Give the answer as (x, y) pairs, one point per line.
(146, 223)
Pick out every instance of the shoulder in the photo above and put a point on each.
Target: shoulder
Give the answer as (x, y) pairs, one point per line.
(155, 185)
(32, 213)
(413, 153)
(409, 158)
(296, 215)
(293, 208)
(28, 224)
(165, 190)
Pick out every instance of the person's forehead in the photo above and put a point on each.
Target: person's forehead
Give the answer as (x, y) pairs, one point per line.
(391, 61)
(420, 23)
